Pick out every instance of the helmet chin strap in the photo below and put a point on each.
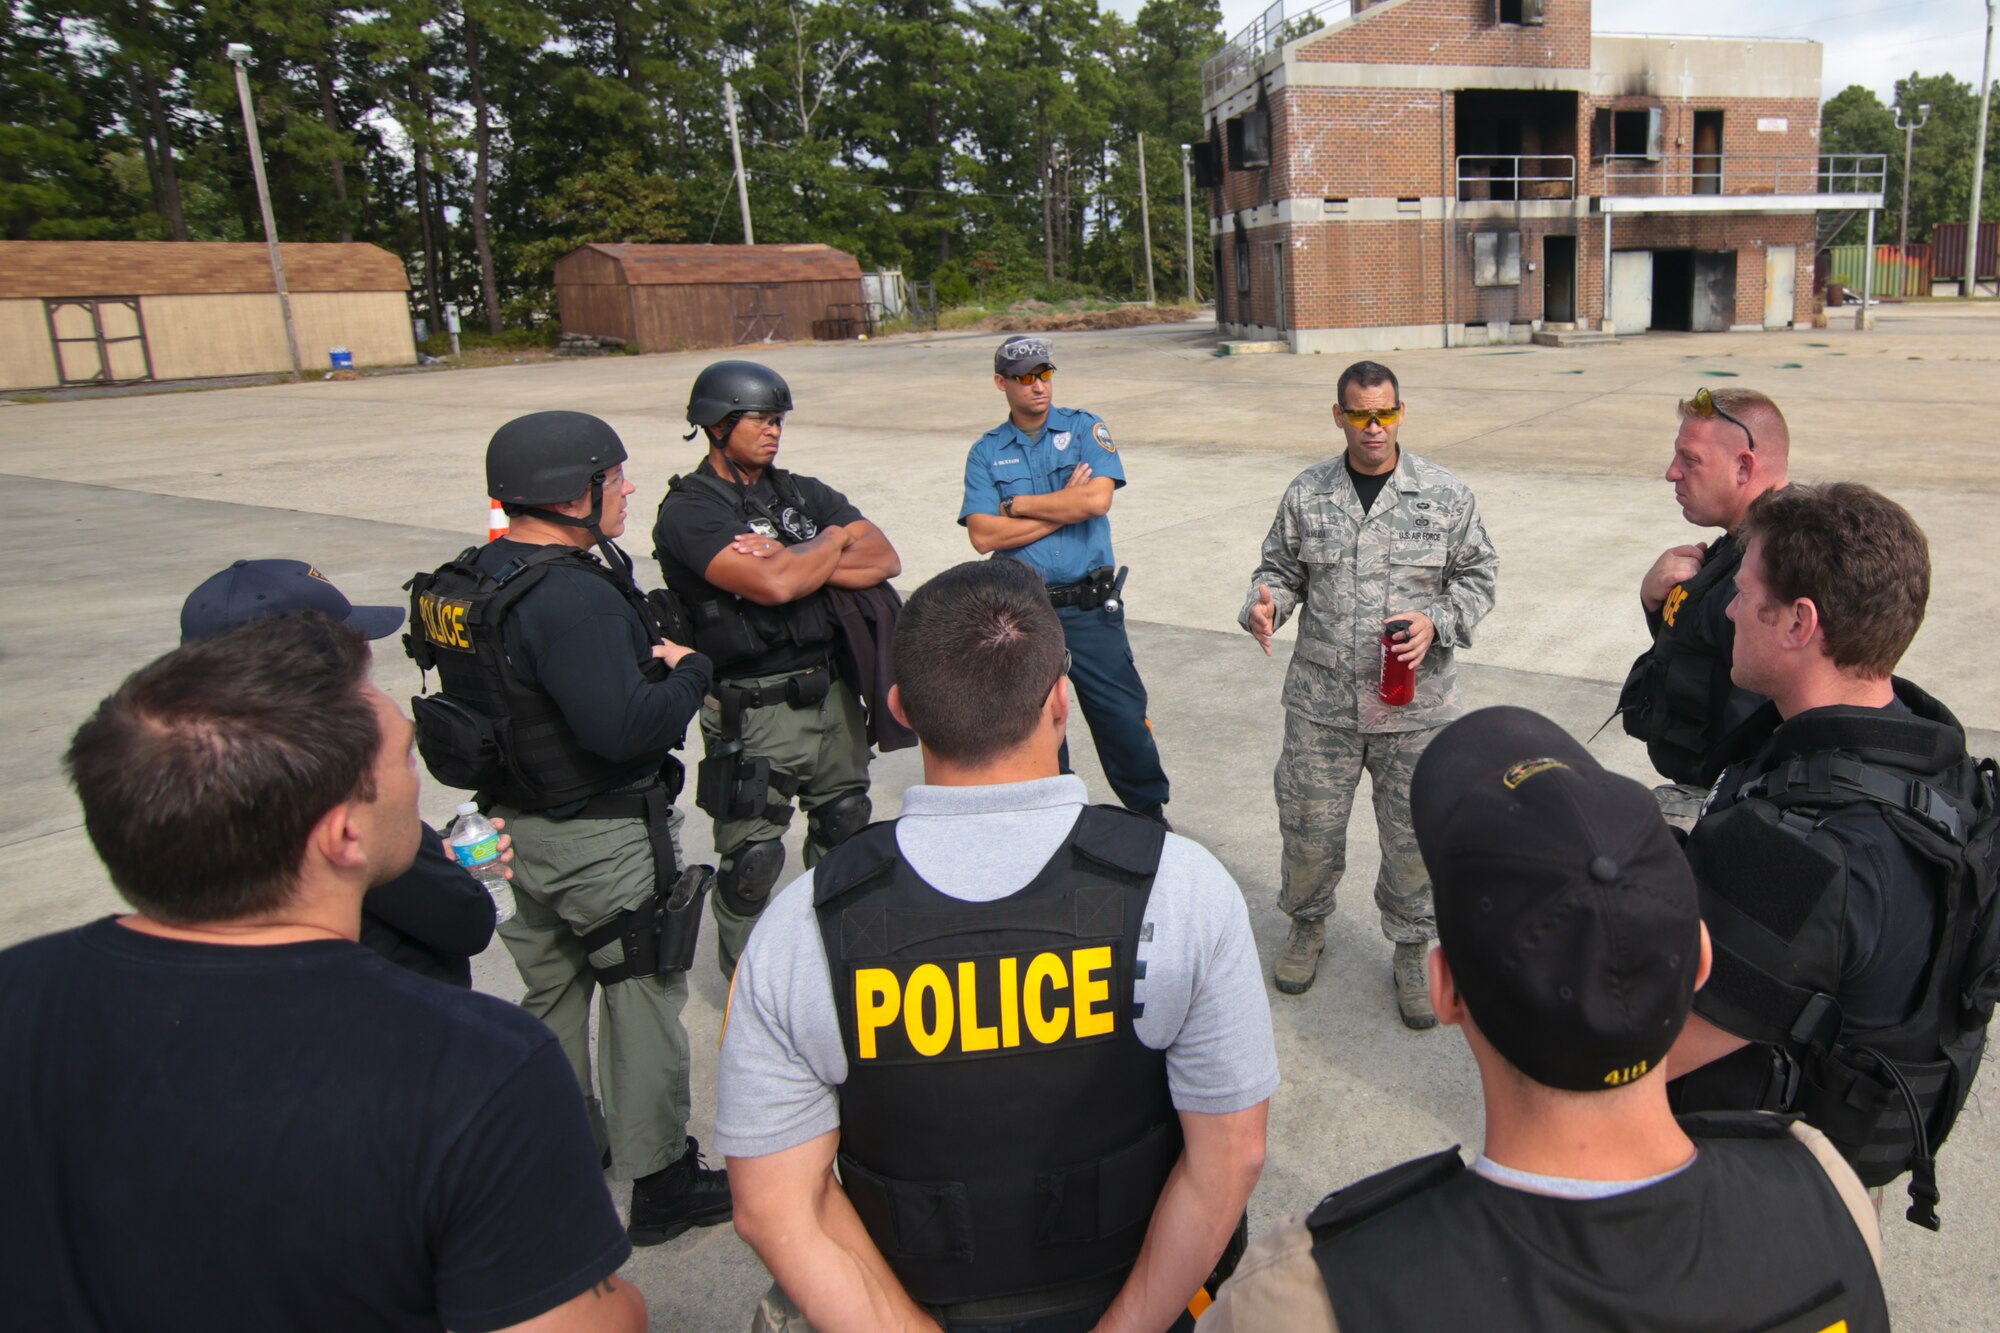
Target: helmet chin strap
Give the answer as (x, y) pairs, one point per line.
(593, 524)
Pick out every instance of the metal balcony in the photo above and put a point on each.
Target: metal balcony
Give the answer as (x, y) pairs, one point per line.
(1740, 182)
(1265, 34)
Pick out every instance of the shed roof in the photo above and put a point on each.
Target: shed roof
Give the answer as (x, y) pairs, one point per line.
(191, 268)
(646, 265)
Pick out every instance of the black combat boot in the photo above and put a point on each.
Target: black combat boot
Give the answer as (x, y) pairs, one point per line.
(680, 1195)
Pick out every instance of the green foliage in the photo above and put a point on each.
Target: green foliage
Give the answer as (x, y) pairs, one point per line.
(1940, 173)
(988, 144)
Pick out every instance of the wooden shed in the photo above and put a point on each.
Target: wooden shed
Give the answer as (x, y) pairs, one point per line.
(669, 298)
(84, 312)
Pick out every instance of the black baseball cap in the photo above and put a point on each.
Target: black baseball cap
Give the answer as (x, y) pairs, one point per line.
(1018, 356)
(1565, 908)
(252, 589)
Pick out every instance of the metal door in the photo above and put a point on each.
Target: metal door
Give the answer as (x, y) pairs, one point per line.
(1781, 279)
(757, 312)
(98, 339)
(1632, 290)
(1714, 290)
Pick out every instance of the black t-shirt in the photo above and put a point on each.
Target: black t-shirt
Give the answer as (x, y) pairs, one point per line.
(575, 639)
(1366, 486)
(432, 918)
(300, 1137)
(697, 521)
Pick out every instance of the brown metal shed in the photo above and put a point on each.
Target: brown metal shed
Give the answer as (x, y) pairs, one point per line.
(77, 312)
(670, 298)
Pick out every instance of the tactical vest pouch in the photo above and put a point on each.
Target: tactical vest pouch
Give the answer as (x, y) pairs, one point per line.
(1095, 1200)
(725, 633)
(461, 746)
(670, 616)
(910, 1219)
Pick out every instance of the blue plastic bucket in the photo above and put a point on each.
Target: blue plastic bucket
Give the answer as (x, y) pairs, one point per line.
(342, 358)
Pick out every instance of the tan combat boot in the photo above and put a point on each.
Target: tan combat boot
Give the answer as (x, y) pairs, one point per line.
(1300, 960)
(1411, 971)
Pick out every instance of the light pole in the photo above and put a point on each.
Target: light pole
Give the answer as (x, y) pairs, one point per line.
(239, 55)
(1909, 144)
(1971, 288)
(1187, 211)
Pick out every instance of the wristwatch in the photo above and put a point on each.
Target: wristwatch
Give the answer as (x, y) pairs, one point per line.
(1007, 507)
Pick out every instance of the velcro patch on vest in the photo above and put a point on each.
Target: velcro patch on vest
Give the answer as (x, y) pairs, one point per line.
(985, 1005)
(444, 621)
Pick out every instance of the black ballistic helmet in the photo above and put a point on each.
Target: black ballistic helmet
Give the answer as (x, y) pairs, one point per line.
(549, 457)
(729, 387)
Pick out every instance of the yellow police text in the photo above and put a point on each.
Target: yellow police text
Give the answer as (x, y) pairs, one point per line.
(444, 621)
(940, 1010)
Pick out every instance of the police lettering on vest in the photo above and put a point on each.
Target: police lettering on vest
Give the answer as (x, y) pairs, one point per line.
(1003, 1130)
(931, 1010)
(484, 730)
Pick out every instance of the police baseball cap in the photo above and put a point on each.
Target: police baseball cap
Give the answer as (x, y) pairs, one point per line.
(252, 589)
(1018, 356)
(1565, 907)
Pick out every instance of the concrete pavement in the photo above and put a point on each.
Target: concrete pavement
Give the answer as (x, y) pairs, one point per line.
(113, 508)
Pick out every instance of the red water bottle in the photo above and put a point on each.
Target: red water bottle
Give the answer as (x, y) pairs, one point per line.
(1399, 678)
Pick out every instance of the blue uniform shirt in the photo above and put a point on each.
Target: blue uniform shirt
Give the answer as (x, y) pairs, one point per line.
(1006, 462)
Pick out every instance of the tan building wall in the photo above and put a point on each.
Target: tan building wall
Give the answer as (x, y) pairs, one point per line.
(194, 336)
(26, 359)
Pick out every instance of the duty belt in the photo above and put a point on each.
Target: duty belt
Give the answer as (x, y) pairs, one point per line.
(1092, 591)
(803, 690)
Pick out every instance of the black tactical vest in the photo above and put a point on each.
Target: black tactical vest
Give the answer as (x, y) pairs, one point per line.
(1677, 693)
(741, 637)
(1002, 1130)
(1752, 1235)
(484, 730)
(1774, 893)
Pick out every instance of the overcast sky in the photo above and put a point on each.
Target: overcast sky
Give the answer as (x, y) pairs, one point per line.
(1870, 42)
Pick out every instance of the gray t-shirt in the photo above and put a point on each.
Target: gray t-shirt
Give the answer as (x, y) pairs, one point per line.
(1202, 987)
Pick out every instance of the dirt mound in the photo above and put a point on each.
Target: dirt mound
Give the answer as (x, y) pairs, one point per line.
(1123, 317)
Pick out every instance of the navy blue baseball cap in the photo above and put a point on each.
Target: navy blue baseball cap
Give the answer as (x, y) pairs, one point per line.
(252, 589)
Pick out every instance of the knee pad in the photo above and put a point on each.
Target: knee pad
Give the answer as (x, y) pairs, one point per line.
(745, 884)
(839, 819)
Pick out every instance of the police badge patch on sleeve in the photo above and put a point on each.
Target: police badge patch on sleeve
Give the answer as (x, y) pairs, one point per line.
(1102, 434)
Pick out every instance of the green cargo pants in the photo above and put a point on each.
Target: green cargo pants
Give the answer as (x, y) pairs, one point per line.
(570, 877)
(824, 746)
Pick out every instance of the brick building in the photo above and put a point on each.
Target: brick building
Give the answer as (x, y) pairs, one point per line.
(1424, 173)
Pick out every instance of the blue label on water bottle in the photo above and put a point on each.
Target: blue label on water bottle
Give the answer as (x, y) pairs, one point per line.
(474, 854)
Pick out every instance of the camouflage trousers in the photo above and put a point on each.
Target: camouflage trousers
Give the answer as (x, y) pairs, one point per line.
(1318, 771)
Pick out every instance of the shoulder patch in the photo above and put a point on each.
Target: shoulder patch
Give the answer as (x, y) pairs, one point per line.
(1102, 434)
(1345, 1209)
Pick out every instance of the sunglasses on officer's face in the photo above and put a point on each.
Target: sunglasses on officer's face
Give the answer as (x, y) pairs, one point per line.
(1359, 417)
(1067, 663)
(1044, 375)
(1703, 405)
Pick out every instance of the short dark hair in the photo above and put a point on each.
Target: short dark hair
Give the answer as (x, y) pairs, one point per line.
(1367, 374)
(1858, 555)
(202, 775)
(977, 650)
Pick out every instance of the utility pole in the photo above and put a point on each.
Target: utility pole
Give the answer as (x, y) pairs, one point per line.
(1971, 287)
(736, 152)
(1187, 211)
(239, 56)
(1909, 145)
(1146, 217)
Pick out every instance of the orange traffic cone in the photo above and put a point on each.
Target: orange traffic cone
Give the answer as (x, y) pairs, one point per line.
(496, 521)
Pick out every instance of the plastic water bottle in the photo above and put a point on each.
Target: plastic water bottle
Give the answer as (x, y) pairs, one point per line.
(475, 845)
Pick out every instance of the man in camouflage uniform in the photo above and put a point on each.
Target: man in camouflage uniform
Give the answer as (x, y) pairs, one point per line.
(1374, 536)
